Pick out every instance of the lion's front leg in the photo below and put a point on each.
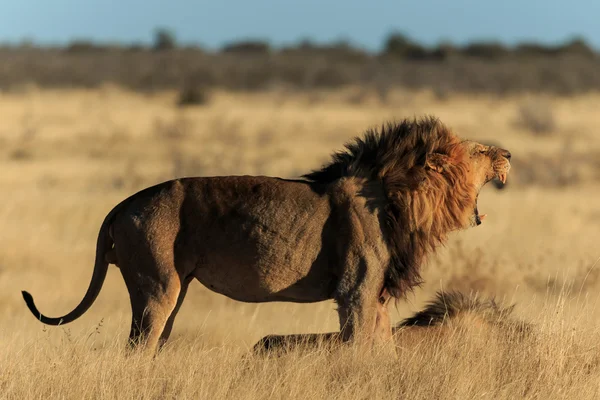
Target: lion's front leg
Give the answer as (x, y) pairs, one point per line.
(383, 326)
(357, 321)
(363, 318)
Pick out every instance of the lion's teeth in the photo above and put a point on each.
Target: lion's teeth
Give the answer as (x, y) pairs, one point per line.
(502, 178)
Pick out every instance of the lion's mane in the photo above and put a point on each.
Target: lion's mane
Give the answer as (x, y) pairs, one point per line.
(448, 305)
(422, 204)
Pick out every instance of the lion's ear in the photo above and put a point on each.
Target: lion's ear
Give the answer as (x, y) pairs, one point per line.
(437, 162)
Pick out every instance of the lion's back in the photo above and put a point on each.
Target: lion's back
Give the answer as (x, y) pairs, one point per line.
(224, 196)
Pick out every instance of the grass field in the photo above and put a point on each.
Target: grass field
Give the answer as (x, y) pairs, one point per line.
(67, 157)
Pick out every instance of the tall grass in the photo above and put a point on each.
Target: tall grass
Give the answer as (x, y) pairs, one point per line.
(67, 157)
(557, 361)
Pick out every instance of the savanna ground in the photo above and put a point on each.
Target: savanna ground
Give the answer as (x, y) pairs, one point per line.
(68, 156)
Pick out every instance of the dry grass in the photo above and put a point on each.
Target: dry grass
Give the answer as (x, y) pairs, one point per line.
(536, 116)
(68, 156)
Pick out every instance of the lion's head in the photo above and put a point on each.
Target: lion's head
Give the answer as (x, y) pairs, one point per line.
(449, 307)
(431, 179)
(475, 165)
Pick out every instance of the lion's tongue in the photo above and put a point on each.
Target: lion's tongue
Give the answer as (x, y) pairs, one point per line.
(502, 177)
(482, 217)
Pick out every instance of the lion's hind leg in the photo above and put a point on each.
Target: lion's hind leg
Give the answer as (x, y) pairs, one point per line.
(169, 325)
(153, 301)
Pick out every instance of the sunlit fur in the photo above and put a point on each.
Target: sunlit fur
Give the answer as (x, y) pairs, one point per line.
(424, 170)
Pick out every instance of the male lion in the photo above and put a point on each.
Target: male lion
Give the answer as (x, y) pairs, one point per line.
(444, 315)
(355, 231)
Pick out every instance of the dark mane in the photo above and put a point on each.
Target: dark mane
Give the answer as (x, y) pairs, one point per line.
(422, 206)
(449, 305)
(404, 144)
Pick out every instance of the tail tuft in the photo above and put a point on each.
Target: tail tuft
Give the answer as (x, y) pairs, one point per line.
(31, 305)
(28, 299)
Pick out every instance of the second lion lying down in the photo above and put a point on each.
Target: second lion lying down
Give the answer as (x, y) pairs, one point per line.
(446, 313)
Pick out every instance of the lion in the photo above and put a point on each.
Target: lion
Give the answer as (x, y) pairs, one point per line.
(355, 231)
(442, 316)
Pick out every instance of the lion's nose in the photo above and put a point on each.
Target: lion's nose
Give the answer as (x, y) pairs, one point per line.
(506, 154)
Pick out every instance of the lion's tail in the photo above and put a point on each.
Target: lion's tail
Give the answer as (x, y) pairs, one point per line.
(104, 244)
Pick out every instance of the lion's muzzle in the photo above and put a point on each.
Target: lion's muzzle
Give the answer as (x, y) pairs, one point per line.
(502, 164)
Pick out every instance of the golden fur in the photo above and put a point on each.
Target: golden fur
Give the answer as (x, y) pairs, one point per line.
(355, 231)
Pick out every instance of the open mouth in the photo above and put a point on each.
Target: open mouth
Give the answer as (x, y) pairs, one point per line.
(480, 217)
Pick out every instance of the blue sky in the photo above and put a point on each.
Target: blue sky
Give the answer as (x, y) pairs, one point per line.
(366, 23)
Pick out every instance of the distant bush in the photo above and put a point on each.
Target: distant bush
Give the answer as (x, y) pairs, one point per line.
(535, 50)
(489, 50)
(565, 69)
(341, 50)
(399, 45)
(192, 95)
(84, 46)
(164, 40)
(445, 50)
(329, 76)
(577, 46)
(248, 46)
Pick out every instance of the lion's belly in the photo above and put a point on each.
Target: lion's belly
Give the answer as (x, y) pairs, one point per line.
(258, 267)
(258, 239)
(250, 288)
(279, 264)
